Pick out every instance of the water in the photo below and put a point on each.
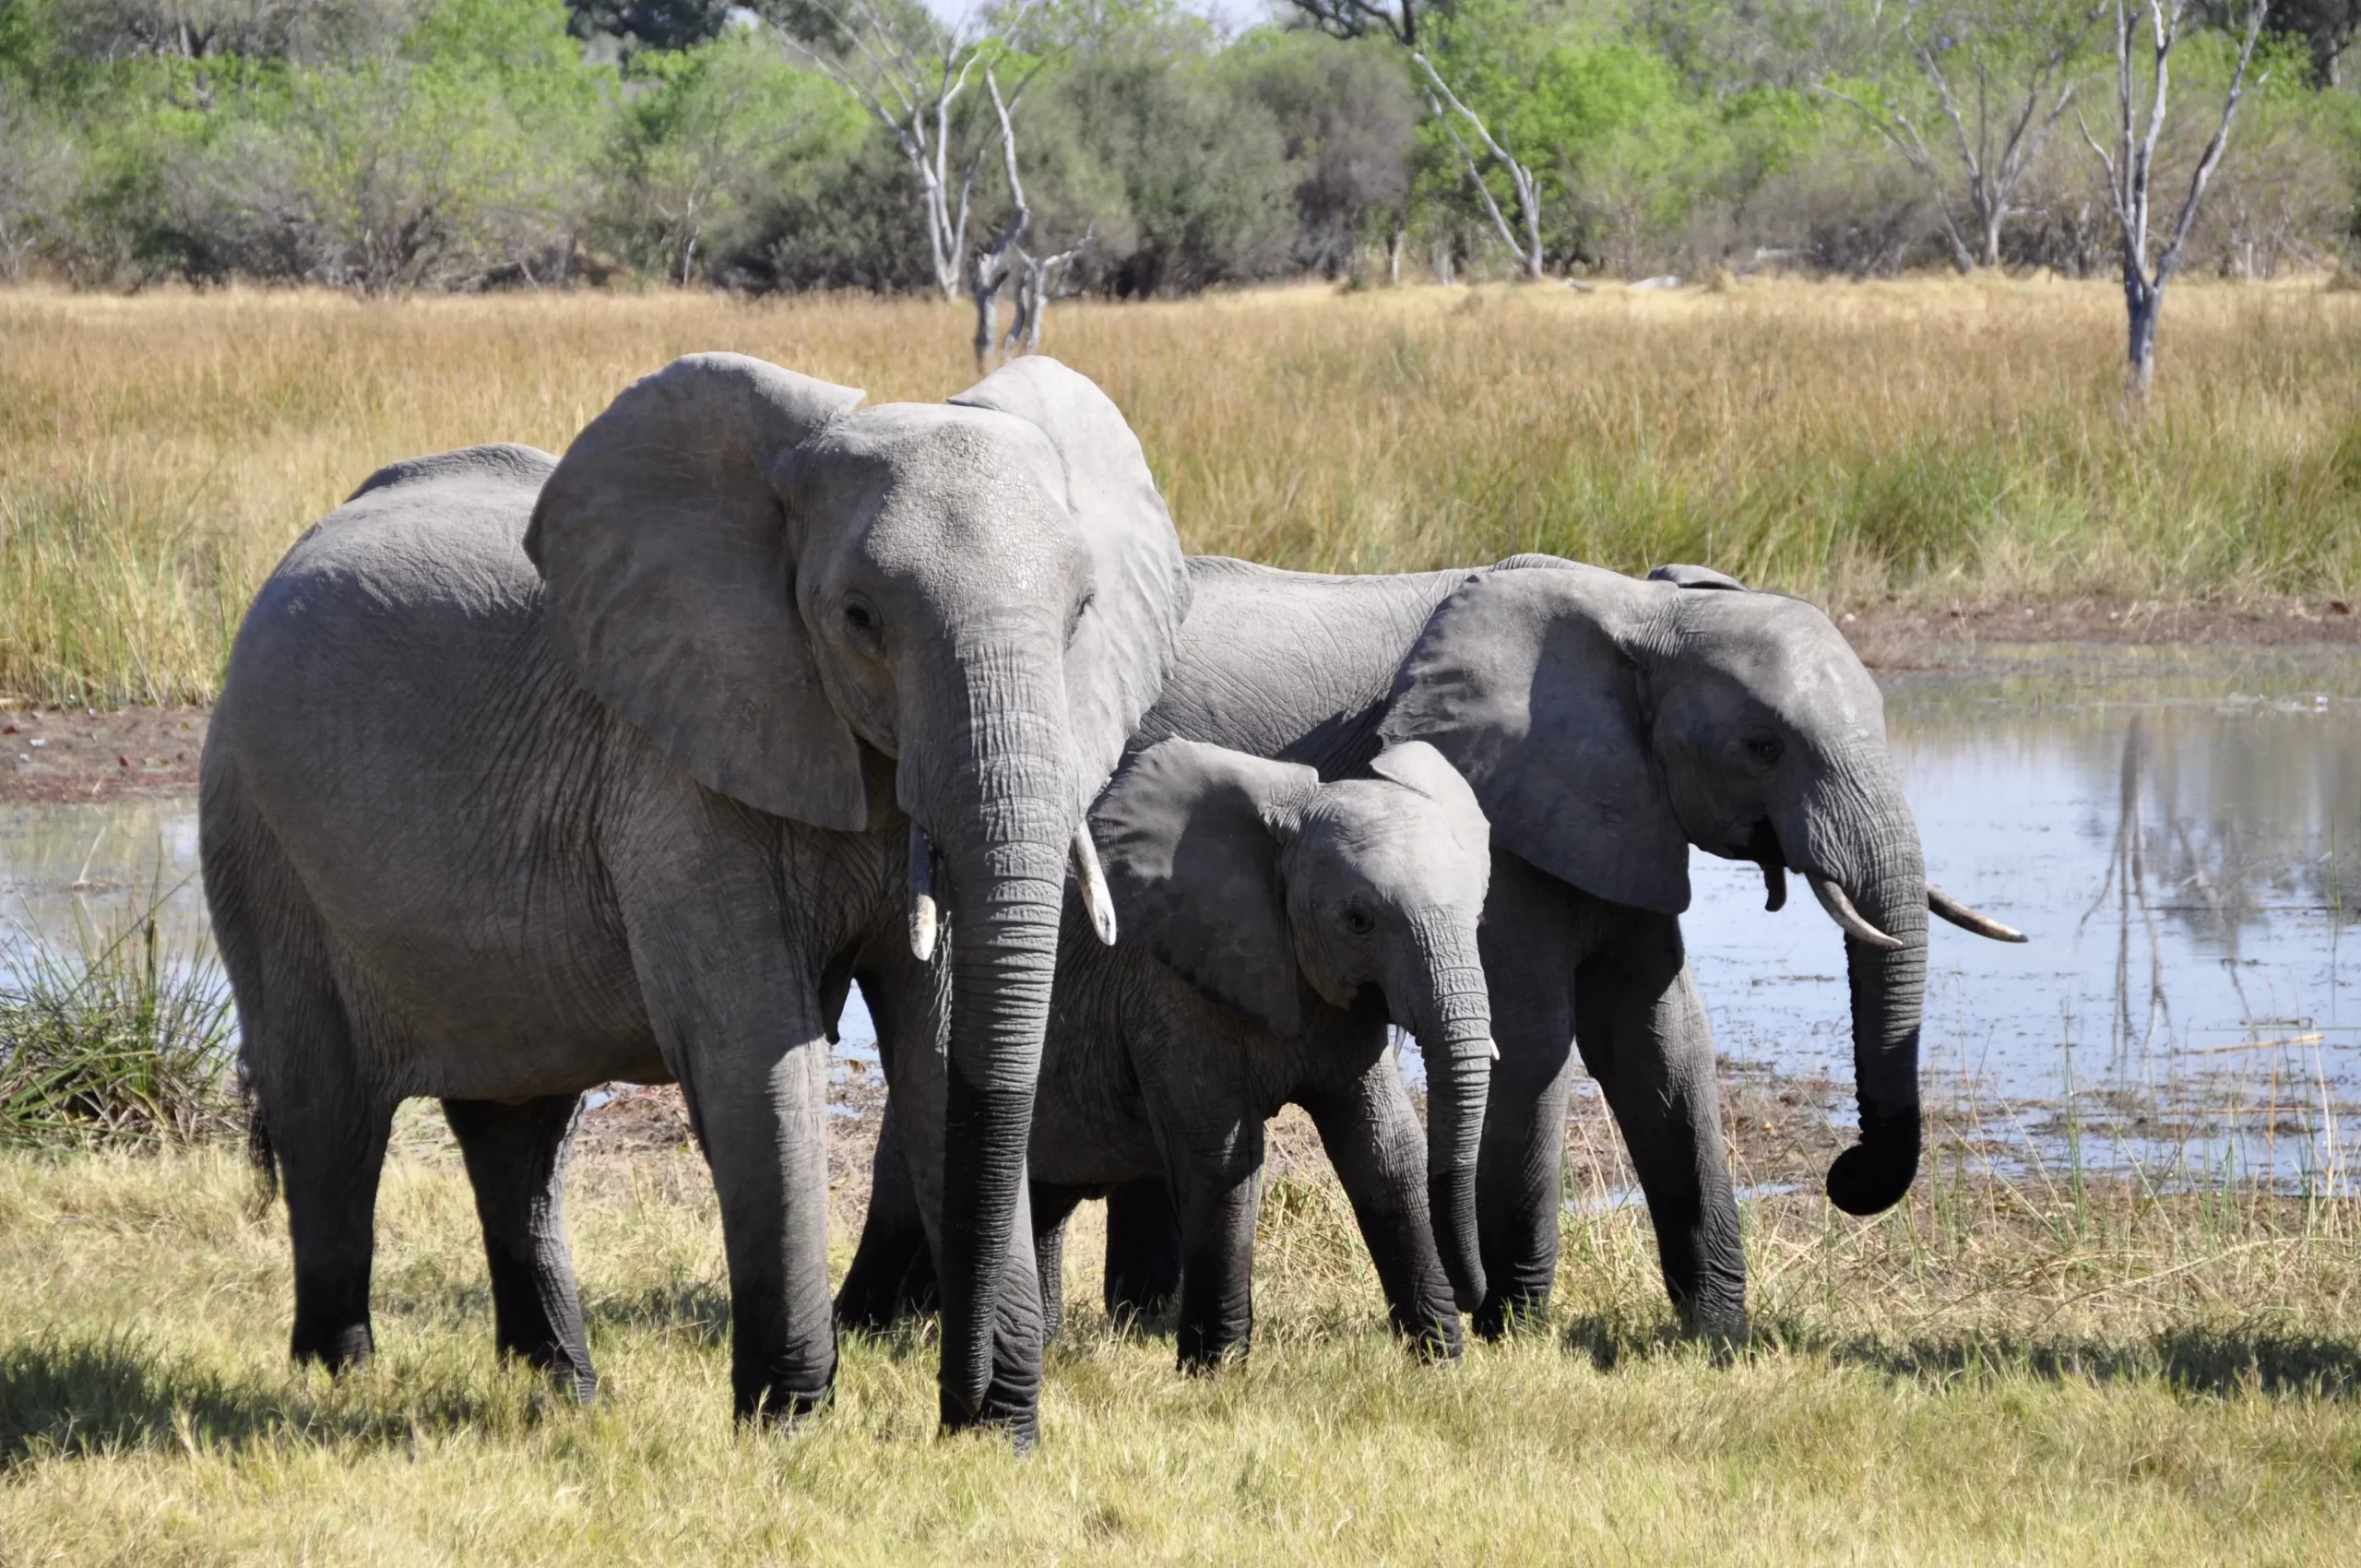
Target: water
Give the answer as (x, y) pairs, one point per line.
(2179, 833)
(2180, 830)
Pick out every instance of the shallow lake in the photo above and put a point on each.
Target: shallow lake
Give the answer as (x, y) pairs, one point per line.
(2178, 830)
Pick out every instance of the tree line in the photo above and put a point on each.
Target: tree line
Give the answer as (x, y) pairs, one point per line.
(1127, 146)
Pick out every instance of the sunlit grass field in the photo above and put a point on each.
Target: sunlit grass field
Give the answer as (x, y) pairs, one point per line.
(1994, 1374)
(1942, 440)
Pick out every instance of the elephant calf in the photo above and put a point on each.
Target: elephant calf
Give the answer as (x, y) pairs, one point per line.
(1271, 926)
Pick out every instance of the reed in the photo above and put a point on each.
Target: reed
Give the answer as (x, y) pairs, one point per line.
(1935, 440)
(119, 1041)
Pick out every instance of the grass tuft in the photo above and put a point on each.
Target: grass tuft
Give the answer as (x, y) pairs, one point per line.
(118, 1041)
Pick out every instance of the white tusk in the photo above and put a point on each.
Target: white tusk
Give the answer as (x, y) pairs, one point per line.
(926, 919)
(1494, 1046)
(1094, 896)
(1839, 910)
(1967, 919)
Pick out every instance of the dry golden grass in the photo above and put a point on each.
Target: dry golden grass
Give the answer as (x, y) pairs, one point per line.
(1984, 1376)
(1936, 438)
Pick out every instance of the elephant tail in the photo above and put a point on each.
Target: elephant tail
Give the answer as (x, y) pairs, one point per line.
(259, 1150)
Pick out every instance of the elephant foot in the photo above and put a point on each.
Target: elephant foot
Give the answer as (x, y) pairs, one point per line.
(1723, 1328)
(1017, 1421)
(338, 1348)
(1502, 1315)
(1437, 1342)
(780, 1408)
(576, 1381)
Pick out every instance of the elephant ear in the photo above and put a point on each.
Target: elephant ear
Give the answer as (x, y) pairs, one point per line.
(664, 548)
(1125, 641)
(1189, 835)
(1679, 575)
(1521, 682)
(1416, 765)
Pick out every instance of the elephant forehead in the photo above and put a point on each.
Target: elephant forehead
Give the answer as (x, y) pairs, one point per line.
(1405, 846)
(1787, 655)
(933, 448)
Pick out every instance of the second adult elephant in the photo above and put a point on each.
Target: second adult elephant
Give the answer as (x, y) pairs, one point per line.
(1605, 725)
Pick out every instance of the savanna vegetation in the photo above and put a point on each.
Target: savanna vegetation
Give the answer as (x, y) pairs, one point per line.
(1943, 441)
(2026, 1371)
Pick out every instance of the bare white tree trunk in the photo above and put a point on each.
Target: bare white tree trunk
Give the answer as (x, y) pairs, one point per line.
(911, 94)
(1527, 249)
(992, 263)
(2130, 169)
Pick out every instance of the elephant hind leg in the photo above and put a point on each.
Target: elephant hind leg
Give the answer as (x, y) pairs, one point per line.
(318, 1116)
(893, 1270)
(515, 1157)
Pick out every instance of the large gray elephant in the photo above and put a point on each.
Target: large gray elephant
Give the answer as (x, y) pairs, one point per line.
(527, 775)
(1272, 926)
(1605, 725)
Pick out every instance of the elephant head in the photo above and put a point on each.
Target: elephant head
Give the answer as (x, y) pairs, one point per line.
(765, 579)
(1608, 723)
(1250, 878)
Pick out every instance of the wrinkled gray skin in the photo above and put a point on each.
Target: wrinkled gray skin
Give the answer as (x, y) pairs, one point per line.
(526, 777)
(1272, 925)
(1605, 724)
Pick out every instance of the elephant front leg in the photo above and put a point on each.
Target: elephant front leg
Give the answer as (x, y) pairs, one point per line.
(1143, 1251)
(1644, 1036)
(1374, 1141)
(891, 1266)
(1528, 941)
(760, 1114)
(515, 1157)
(1219, 1185)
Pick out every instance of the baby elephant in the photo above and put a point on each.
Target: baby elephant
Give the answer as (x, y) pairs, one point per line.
(1271, 926)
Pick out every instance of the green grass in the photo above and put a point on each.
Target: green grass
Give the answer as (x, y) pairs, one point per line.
(1944, 441)
(119, 1041)
(1981, 1377)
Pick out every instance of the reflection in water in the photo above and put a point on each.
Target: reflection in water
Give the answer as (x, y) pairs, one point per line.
(2176, 830)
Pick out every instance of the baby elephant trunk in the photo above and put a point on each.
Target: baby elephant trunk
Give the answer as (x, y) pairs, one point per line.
(1452, 1014)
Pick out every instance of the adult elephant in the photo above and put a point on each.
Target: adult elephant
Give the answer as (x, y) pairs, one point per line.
(529, 774)
(1605, 724)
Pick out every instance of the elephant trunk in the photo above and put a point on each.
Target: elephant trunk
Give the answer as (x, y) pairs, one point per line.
(1452, 1018)
(1869, 853)
(1005, 828)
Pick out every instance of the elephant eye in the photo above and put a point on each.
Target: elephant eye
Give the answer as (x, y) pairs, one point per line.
(1073, 621)
(1359, 920)
(861, 620)
(1765, 749)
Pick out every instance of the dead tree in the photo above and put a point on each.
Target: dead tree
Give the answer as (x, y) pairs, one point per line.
(1527, 250)
(910, 90)
(994, 262)
(1039, 281)
(1398, 19)
(2131, 168)
(2023, 120)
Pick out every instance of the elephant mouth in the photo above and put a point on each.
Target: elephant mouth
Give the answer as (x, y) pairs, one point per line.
(1761, 847)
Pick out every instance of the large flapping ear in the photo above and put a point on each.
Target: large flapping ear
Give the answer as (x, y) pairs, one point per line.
(1416, 765)
(1520, 683)
(1124, 643)
(664, 547)
(1189, 835)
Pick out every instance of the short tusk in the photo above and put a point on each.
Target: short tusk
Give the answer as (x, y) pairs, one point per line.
(1839, 910)
(926, 918)
(1967, 919)
(1774, 886)
(1094, 896)
(1494, 1047)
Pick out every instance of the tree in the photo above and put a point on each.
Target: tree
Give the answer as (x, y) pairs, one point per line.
(910, 82)
(1399, 19)
(2130, 167)
(2013, 62)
